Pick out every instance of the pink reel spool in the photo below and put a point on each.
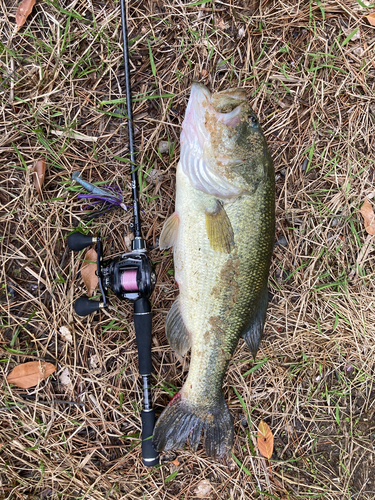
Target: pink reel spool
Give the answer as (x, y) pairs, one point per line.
(129, 280)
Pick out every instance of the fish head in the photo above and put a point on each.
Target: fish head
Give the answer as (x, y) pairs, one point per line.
(223, 143)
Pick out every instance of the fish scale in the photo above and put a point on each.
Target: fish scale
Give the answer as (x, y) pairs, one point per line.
(222, 236)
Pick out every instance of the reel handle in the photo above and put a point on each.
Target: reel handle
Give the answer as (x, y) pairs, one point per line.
(78, 241)
(84, 306)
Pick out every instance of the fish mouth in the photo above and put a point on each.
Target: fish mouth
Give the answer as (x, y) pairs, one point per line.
(224, 107)
(193, 127)
(199, 102)
(222, 103)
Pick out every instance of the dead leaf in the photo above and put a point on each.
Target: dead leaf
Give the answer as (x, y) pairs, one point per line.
(221, 24)
(39, 172)
(349, 31)
(65, 379)
(128, 241)
(94, 361)
(163, 147)
(265, 439)
(88, 271)
(75, 135)
(205, 73)
(371, 18)
(203, 489)
(30, 374)
(176, 462)
(24, 9)
(65, 334)
(368, 215)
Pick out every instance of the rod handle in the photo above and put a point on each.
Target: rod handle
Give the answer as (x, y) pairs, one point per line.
(143, 326)
(150, 456)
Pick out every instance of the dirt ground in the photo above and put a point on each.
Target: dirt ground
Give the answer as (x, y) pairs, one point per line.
(309, 71)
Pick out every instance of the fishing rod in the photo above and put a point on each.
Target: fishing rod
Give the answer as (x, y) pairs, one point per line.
(130, 277)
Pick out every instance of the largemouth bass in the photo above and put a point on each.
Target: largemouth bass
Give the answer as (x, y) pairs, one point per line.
(222, 233)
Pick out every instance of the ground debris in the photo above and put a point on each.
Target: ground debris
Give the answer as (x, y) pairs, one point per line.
(203, 489)
(88, 271)
(368, 215)
(66, 334)
(23, 11)
(30, 374)
(39, 172)
(311, 84)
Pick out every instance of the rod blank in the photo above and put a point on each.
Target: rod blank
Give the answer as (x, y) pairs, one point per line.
(137, 223)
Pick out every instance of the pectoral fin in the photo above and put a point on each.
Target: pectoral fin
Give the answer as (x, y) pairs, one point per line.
(219, 229)
(254, 332)
(169, 232)
(177, 334)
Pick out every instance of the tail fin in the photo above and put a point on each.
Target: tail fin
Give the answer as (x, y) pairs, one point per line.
(181, 421)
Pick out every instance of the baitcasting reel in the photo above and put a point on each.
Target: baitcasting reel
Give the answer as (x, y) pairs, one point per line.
(130, 276)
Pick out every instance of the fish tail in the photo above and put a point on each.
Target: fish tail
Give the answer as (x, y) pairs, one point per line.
(182, 421)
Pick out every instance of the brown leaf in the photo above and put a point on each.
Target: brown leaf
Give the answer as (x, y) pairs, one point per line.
(30, 374)
(176, 462)
(24, 9)
(368, 215)
(265, 439)
(88, 271)
(39, 173)
(371, 18)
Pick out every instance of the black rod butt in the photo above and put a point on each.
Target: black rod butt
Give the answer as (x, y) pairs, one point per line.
(150, 456)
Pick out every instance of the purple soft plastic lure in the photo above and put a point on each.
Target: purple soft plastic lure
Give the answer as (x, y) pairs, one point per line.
(111, 195)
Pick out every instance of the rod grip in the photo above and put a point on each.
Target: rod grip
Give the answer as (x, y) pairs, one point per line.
(143, 326)
(150, 456)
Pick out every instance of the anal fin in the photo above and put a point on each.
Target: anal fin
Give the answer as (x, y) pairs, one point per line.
(219, 229)
(169, 232)
(254, 332)
(177, 334)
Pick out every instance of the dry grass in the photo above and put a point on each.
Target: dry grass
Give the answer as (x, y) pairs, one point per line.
(313, 88)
